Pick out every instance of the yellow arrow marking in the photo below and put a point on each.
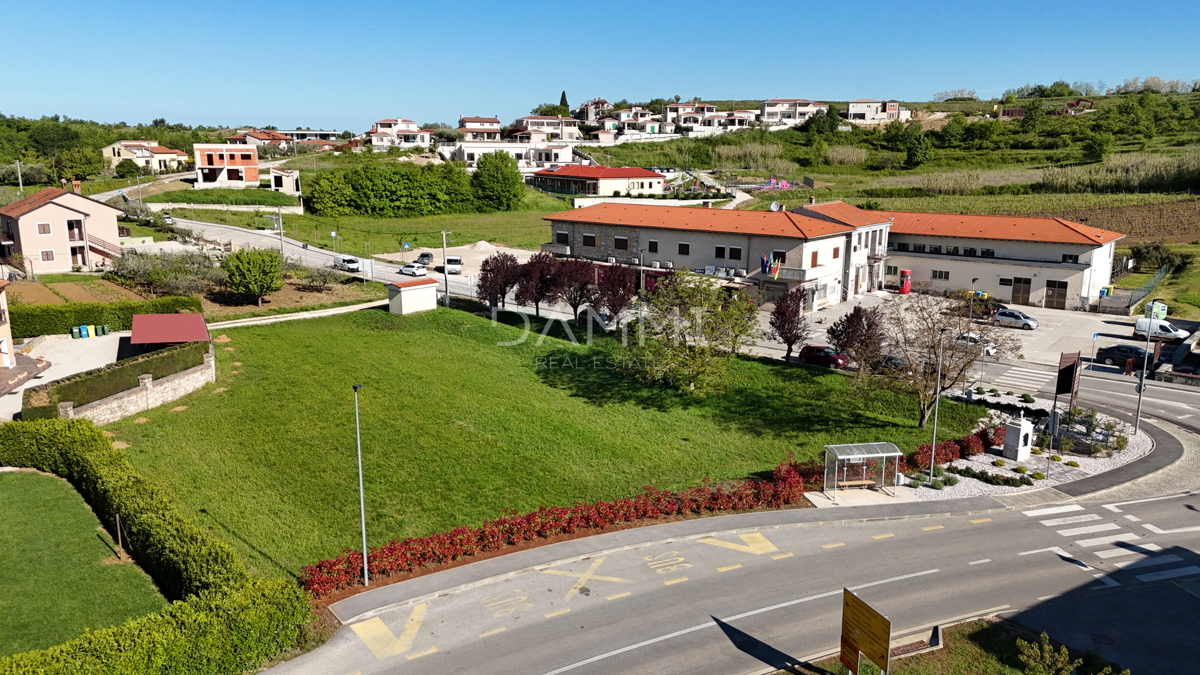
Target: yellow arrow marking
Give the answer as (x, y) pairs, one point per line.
(755, 543)
(382, 642)
(584, 577)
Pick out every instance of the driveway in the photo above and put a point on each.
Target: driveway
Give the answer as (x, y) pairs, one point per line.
(67, 357)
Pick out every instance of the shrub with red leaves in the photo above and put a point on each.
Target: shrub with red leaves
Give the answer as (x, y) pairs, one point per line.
(991, 436)
(785, 487)
(969, 446)
(947, 451)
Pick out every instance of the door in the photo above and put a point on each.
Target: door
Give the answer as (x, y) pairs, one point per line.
(1056, 295)
(1020, 292)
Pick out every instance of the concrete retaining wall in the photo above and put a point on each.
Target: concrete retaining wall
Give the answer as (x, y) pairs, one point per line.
(148, 394)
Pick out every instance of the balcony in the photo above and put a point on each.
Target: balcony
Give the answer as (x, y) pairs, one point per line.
(557, 249)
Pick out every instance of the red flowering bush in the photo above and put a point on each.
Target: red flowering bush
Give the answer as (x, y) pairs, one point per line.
(969, 446)
(785, 487)
(991, 436)
(947, 451)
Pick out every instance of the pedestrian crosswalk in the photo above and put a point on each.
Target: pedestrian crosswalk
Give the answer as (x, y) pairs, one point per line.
(1120, 543)
(1023, 380)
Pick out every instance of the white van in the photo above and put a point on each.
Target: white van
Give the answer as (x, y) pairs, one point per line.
(453, 264)
(347, 263)
(1160, 329)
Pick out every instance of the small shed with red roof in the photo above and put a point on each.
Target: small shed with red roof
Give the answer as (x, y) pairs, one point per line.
(410, 297)
(155, 331)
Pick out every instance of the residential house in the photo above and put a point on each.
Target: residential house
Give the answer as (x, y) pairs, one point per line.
(316, 146)
(309, 134)
(7, 358)
(285, 181)
(397, 132)
(872, 111)
(224, 165)
(1043, 262)
(673, 111)
(829, 251)
(253, 136)
(636, 114)
(479, 128)
(789, 110)
(600, 180)
(551, 127)
(470, 151)
(591, 111)
(58, 230)
(148, 155)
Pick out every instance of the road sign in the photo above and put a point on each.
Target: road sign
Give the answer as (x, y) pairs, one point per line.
(407, 246)
(864, 630)
(332, 234)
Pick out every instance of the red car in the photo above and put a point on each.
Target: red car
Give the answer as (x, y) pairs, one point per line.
(822, 356)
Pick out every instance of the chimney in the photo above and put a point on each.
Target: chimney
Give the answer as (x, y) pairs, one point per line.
(77, 187)
(812, 199)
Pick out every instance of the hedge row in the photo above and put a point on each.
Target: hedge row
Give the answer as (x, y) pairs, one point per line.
(33, 320)
(93, 385)
(785, 487)
(224, 623)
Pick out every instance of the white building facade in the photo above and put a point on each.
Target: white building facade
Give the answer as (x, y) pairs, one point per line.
(872, 111)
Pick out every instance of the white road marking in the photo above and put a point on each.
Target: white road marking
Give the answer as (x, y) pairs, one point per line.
(1184, 417)
(1124, 536)
(1133, 518)
(1158, 530)
(1052, 510)
(1048, 597)
(1113, 507)
(1169, 574)
(1130, 550)
(1091, 529)
(1106, 581)
(1071, 519)
(1059, 551)
(1149, 562)
(980, 562)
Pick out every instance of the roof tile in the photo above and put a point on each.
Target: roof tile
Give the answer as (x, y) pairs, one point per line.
(764, 223)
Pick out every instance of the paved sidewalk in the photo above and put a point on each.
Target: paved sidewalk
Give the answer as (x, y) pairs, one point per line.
(312, 314)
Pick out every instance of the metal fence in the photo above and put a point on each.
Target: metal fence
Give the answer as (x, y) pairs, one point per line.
(1148, 287)
(1122, 301)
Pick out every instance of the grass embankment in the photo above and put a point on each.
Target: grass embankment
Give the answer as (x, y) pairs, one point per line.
(295, 296)
(518, 229)
(251, 197)
(56, 576)
(1180, 289)
(457, 430)
(139, 230)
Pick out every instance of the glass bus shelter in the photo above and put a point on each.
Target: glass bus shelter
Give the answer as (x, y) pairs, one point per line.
(861, 465)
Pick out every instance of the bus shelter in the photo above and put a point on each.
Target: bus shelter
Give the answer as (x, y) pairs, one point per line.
(861, 465)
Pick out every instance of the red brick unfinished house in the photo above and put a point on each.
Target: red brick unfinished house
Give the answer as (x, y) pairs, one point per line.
(226, 165)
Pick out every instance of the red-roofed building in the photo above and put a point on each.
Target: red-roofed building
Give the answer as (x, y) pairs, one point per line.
(1044, 262)
(789, 110)
(56, 230)
(161, 330)
(148, 155)
(254, 136)
(552, 126)
(831, 259)
(397, 132)
(591, 111)
(599, 180)
(410, 297)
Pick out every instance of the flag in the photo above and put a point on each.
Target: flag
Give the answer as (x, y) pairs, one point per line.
(763, 264)
(775, 269)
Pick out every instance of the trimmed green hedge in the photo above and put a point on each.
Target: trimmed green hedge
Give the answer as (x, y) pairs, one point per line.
(93, 385)
(226, 622)
(33, 320)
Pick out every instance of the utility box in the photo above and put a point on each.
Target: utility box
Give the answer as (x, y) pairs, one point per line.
(410, 297)
(1018, 439)
(1156, 310)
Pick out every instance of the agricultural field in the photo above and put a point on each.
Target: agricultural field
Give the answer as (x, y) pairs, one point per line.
(57, 289)
(457, 430)
(295, 296)
(1180, 289)
(59, 574)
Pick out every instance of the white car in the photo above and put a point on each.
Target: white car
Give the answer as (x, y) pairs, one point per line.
(414, 270)
(1014, 319)
(978, 342)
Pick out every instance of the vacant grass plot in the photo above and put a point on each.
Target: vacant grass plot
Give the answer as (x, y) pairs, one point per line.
(457, 430)
(58, 577)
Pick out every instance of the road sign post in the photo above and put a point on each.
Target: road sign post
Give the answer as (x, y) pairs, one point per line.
(865, 632)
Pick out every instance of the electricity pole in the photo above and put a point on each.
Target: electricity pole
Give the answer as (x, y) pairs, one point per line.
(20, 181)
(362, 500)
(445, 268)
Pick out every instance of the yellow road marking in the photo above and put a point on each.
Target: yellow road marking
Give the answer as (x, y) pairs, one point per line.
(754, 543)
(561, 611)
(727, 568)
(501, 629)
(382, 642)
(674, 581)
(618, 595)
(982, 520)
(418, 655)
(840, 543)
(781, 556)
(584, 577)
(883, 536)
(933, 527)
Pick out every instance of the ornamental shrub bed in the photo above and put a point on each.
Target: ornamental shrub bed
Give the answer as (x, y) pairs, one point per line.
(33, 320)
(785, 487)
(222, 622)
(41, 402)
(990, 478)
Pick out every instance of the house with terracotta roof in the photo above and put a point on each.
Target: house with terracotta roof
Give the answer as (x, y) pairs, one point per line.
(590, 111)
(673, 111)
(834, 251)
(479, 128)
(549, 127)
(789, 111)
(254, 136)
(58, 230)
(1042, 262)
(600, 180)
(873, 111)
(397, 132)
(225, 165)
(148, 155)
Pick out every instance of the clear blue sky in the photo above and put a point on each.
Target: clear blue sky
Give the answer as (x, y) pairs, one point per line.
(344, 65)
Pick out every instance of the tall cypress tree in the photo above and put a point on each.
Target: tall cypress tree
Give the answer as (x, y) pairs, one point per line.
(562, 100)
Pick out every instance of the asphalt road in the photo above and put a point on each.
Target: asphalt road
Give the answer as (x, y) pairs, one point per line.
(742, 602)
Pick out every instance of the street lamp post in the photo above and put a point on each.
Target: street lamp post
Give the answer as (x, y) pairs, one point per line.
(1137, 420)
(362, 501)
(936, 400)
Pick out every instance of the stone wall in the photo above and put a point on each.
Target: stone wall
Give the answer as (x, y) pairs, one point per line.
(148, 394)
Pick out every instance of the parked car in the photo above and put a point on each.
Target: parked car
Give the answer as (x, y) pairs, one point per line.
(453, 264)
(414, 270)
(1117, 355)
(168, 219)
(425, 258)
(1014, 319)
(347, 263)
(884, 364)
(1160, 329)
(976, 340)
(822, 355)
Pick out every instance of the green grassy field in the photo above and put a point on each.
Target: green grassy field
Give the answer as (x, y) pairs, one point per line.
(520, 229)
(225, 196)
(457, 430)
(1180, 289)
(53, 581)
(138, 230)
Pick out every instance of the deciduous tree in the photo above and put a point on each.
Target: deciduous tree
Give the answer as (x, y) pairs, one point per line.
(859, 335)
(788, 323)
(256, 272)
(919, 151)
(577, 283)
(497, 276)
(617, 288)
(539, 281)
(497, 182)
(79, 163)
(127, 168)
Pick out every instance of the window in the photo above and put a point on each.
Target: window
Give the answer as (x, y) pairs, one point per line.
(589, 240)
(1068, 258)
(47, 256)
(720, 252)
(941, 275)
(969, 251)
(562, 237)
(901, 246)
(221, 156)
(43, 228)
(837, 252)
(470, 157)
(781, 256)
(815, 258)
(858, 242)
(735, 252)
(918, 248)
(653, 246)
(685, 248)
(952, 250)
(278, 181)
(621, 243)
(935, 249)
(987, 253)
(209, 159)
(246, 156)
(892, 270)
